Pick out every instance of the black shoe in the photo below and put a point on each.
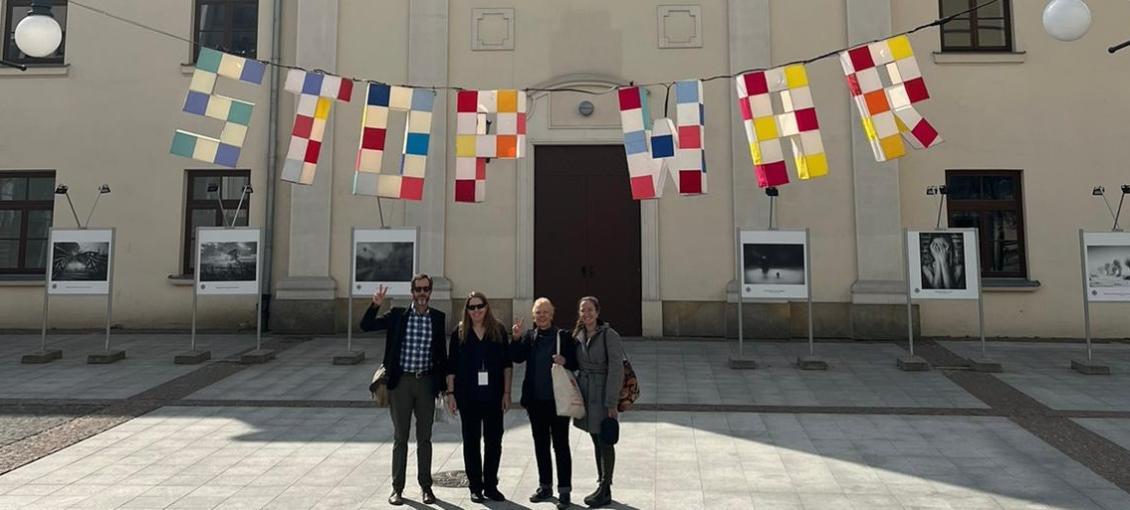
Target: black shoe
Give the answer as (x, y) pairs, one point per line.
(541, 495)
(395, 498)
(477, 497)
(602, 499)
(493, 493)
(595, 494)
(563, 502)
(429, 496)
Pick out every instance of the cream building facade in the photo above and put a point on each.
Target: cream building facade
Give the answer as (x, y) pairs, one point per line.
(1052, 111)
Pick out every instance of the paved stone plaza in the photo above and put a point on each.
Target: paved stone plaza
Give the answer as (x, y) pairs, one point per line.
(300, 432)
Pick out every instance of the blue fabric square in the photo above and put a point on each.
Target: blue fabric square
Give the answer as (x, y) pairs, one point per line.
(422, 100)
(253, 71)
(662, 146)
(686, 91)
(313, 84)
(196, 102)
(378, 94)
(416, 143)
(227, 155)
(635, 142)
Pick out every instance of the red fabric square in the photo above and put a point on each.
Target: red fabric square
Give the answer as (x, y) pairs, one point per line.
(747, 110)
(303, 126)
(411, 188)
(861, 58)
(853, 85)
(772, 174)
(312, 150)
(465, 190)
(481, 169)
(629, 98)
(642, 187)
(373, 138)
(806, 120)
(690, 137)
(925, 133)
(755, 83)
(521, 123)
(346, 91)
(467, 101)
(690, 181)
(916, 90)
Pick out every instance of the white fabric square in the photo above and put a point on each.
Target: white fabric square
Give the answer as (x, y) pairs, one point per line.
(464, 168)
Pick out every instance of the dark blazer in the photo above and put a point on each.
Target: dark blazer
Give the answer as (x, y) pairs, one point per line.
(395, 321)
(521, 349)
(462, 364)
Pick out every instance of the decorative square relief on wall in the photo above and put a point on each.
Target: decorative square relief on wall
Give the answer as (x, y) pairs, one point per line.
(679, 26)
(492, 29)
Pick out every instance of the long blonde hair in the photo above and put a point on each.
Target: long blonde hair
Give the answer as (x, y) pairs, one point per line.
(493, 327)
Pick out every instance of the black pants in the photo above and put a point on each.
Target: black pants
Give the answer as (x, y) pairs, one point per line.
(605, 460)
(482, 421)
(547, 426)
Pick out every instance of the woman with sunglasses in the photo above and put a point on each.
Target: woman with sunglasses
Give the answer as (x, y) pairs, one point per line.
(600, 354)
(478, 389)
(540, 348)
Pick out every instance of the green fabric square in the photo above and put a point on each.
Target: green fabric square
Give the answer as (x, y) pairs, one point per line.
(209, 60)
(240, 112)
(184, 144)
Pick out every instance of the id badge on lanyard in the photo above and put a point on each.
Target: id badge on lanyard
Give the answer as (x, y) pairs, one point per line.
(483, 377)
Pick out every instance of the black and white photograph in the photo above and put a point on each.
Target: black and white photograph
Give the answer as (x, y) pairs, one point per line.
(773, 264)
(1108, 266)
(943, 264)
(80, 261)
(383, 257)
(228, 261)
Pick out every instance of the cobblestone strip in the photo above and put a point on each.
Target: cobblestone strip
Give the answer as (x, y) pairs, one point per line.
(88, 420)
(1106, 458)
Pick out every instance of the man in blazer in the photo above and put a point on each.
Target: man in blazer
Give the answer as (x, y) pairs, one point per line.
(414, 359)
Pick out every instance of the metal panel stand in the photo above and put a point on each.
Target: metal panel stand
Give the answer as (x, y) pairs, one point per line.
(192, 356)
(909, 362)
(109, 356)
(351, 357)
(43, 355)
(982, 363)
(740, 360)
(1087, 366)
(811, 361)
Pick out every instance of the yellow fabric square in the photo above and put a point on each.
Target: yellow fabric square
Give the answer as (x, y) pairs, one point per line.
(796, 76)
(902, 127)
(322, 111)
(812, 165)
(507, 101)
(202, 81)
(900, 47)
(869, 128)
(765, 127)
(233, 134)
(218, 108)
(465, 146)
(755, 153)
(892, 147)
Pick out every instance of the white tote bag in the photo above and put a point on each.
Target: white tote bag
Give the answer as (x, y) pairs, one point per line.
(565, 391)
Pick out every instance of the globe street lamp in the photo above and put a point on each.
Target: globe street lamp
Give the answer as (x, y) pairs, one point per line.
(38, 35)
(1067, 20)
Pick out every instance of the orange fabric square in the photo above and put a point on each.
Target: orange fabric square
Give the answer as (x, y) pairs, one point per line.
(507, 146)
(877, 101)
(507, 101)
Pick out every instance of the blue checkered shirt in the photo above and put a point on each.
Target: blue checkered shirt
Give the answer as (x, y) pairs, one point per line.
(416, 354)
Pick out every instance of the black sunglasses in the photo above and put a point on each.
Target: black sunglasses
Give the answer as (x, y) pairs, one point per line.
(421, 289)
(479, 306)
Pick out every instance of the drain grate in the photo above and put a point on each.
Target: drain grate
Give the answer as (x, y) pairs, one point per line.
(450, 479)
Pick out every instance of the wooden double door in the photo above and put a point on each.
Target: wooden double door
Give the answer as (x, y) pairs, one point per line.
(587, 233)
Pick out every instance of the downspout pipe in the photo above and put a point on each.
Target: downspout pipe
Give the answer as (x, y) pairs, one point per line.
(272, 161)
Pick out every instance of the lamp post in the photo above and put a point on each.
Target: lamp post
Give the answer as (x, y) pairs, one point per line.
(38, 35)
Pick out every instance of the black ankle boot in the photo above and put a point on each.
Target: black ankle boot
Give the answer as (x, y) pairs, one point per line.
(603, 497)
(595, 494)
